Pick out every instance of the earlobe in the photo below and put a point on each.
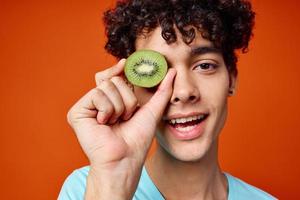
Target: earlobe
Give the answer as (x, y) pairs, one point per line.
(231, 92)
(233, 79)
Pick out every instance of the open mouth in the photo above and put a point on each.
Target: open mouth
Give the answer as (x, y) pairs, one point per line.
(187, 123)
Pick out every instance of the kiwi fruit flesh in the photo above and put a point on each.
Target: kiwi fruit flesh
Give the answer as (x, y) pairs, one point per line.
(145, 68)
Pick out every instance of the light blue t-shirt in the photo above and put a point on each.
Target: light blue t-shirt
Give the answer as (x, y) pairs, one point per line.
(74, 188)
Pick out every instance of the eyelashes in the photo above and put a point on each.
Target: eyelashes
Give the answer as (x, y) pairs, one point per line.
(206, 67)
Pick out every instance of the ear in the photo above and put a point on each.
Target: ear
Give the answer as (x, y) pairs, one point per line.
(233, 81)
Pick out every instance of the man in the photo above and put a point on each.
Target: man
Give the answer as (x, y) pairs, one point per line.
(115, 122)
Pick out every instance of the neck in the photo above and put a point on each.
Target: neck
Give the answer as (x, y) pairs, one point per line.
(202, 179)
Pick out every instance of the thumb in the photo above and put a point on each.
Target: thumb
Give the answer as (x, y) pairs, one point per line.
(158, 102)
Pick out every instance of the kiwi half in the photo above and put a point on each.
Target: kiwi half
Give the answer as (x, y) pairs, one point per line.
(146, 68)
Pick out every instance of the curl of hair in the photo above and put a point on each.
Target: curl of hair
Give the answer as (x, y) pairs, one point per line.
(228, 24)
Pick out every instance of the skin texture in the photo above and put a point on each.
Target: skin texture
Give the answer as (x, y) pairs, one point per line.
(208, 88)
(109, 122)
(113, 134)
(195, 89)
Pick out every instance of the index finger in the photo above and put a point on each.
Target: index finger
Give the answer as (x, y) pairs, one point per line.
(158, 102)
(110, 72)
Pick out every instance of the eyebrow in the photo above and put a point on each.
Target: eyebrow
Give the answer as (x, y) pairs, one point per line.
(205, 49)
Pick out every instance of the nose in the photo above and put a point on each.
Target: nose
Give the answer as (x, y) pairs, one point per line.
(185, 89)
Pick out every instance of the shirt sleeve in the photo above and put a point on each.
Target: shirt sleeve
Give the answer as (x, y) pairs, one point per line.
(74, 186)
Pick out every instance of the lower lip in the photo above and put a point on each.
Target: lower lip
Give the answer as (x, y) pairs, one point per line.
(194, 133)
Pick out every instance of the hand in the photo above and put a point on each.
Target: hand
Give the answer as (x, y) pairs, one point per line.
(113, 133)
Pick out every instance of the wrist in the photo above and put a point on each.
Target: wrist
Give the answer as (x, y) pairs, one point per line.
(111, 184)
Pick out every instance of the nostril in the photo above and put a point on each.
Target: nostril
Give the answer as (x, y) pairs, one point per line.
(191, 98)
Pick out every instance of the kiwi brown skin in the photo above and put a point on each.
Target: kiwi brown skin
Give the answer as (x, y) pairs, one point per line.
(145, 68)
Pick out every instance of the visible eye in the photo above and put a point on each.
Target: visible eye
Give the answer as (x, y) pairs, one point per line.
(206, 67)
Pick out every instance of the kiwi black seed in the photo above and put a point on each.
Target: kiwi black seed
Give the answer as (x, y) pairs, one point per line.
(146, 68)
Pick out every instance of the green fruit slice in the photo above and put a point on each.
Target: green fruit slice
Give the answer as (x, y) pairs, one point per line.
(146, 68)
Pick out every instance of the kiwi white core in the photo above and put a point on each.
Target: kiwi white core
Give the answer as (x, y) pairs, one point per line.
(145, 69)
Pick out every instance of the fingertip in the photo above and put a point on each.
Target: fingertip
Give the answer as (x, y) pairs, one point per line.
(122, 62)
(115, 70)
(168, 80)
(172, 72)
(121, 65)
(101, 119)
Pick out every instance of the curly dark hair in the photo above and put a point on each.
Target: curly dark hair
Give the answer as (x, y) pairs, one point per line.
(227, 24)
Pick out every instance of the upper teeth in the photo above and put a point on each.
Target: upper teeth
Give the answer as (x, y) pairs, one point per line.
(187, 119)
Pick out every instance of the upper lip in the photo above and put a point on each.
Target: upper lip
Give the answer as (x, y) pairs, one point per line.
(181, 115)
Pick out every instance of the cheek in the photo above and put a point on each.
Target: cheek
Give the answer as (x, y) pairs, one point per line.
(143, 95)
(218, 89)
(215, 97)
(218, 100)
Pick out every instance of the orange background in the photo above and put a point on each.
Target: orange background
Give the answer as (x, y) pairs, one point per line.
(49, 53)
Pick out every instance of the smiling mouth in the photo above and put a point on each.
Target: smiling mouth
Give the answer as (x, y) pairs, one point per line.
(186, 124)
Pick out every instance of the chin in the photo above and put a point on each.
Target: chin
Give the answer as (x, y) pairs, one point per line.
(188, 157)
(185, 151)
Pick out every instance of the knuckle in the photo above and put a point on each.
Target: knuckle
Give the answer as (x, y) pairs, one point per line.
(97, 92)
(70, 117)
(108, 109)
(132, 104)
(98, 77)
(106, 84)
(119, 110)
(117, 79)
